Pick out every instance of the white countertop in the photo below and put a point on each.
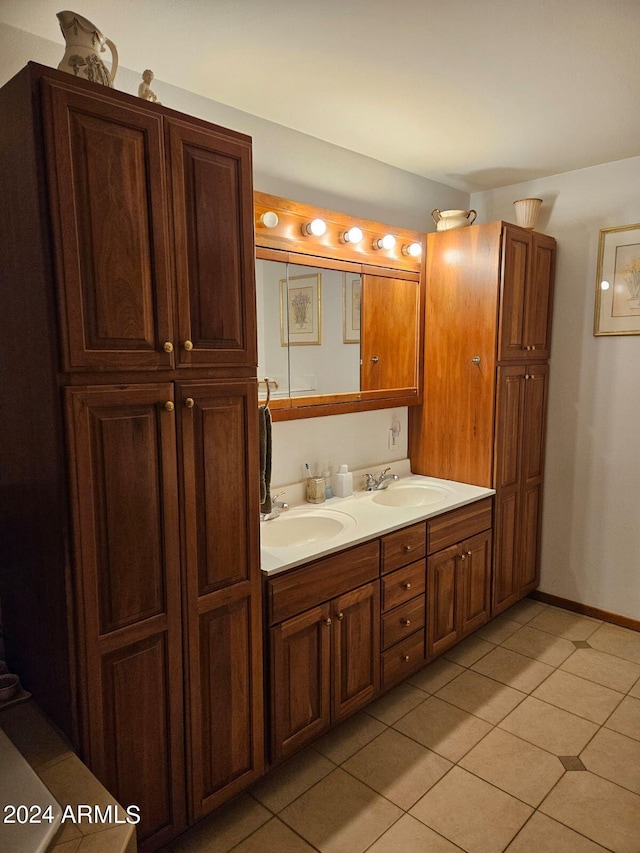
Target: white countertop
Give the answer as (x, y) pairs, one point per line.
(367, 519)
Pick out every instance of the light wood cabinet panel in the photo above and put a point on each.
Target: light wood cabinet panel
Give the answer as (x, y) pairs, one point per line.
(451, 434)
(489, 291)
(108, 208)
(390, 333)
(356, 649)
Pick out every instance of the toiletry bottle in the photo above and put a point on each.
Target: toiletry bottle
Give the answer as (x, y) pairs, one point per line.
(343, 482)
(328, 491)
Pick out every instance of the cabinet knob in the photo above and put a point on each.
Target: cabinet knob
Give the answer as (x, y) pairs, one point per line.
(532, 376)
(327, 621)
(340, 616)
(407, 548)
(188, 345)
(528, 348)
(406, 657)
(533, 347)
(475, 359)
(189, 402)
(406, 622)
(169, 406)
(526, 376)
(407, 585)
(463, 556)
(375, 359)
(468, 553)
(167, 346)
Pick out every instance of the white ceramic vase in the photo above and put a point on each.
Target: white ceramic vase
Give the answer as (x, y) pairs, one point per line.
(527, 212)
(84, 40)
(446, 220)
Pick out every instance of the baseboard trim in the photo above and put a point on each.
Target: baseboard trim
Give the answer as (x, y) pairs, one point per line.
(586, 610)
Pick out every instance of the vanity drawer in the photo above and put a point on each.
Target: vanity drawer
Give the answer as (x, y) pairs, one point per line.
(403, 547)
(453, 527)
(403, 659)
(403, 584)
(299, 589)
(403, 621)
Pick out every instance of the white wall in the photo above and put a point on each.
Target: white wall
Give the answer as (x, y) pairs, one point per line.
(300, 167)
(591, 517)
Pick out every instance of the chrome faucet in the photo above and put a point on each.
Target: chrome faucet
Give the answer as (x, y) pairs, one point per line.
(373, 485)
(276, 508)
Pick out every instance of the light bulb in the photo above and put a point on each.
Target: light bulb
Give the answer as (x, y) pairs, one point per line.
(353, 235)
(414, 250)
(386, 242)
(317, 227)
(269, 219)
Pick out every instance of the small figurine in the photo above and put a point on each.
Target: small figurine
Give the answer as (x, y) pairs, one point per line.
(144, 89)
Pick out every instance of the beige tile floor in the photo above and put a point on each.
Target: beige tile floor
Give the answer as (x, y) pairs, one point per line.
(524, 738)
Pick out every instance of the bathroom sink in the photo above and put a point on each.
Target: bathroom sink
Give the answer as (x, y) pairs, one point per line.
(410, 495)
(304, 528)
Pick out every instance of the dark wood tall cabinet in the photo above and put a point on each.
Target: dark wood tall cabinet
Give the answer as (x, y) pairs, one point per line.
(489, 295)
(129, 570)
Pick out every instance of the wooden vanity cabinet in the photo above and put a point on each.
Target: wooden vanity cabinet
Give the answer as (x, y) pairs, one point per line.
(324, 658)
(130, 578)
(458, 576)
(489, 292)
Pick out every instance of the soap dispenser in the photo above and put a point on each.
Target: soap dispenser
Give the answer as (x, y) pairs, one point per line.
(343, 482)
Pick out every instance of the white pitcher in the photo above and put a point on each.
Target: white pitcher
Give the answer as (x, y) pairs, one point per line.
(83, 41)
(447, 219)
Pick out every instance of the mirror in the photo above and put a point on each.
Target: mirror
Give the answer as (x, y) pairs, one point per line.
(304, 344)
(335, 333)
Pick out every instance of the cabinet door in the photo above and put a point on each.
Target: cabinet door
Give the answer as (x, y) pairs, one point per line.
(533, 442)
(109, 210)
(356, 649)
(390, 333)
(126, 553)
(300, 680)
(218, 422)
(510, 406)
(474, 583)
(516, 271)
(537, 318)
(442, 627)
(212, 203)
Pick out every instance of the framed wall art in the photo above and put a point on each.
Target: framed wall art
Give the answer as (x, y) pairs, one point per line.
(617, 309)
(301, 310)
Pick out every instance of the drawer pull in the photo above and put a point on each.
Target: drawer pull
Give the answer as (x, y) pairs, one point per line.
(327, 621)
(406, 622)
(407, 548)
(169, 406)
(463, 556)
(469, 554)
(406, 657)
(167, 346)
(407, 585)
(340, 616)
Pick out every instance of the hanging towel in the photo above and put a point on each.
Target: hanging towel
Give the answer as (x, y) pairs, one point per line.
(264, 431)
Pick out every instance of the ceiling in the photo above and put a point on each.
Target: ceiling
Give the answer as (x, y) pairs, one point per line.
(476, 94)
